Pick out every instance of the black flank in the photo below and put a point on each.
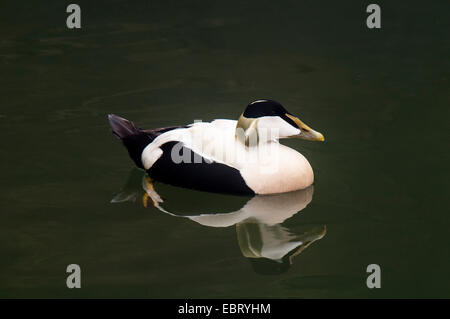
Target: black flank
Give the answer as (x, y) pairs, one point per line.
(205, 176)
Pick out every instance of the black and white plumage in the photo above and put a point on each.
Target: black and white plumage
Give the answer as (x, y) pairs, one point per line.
(225, 156)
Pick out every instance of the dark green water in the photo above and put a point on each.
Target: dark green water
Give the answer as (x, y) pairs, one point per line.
(381, 98)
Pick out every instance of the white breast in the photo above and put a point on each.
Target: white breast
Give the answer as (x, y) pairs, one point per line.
(283, 170)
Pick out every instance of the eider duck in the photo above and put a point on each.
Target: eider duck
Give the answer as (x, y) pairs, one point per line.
(224, 156)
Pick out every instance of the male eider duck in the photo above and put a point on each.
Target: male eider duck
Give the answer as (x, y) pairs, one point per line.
(224, 156)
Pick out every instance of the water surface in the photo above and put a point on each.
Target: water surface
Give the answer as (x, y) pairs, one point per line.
(379, 96)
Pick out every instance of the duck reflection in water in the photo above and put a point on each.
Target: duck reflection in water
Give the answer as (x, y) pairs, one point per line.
(264, 241)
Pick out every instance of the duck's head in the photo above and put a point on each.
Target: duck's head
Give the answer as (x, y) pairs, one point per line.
(265, 120)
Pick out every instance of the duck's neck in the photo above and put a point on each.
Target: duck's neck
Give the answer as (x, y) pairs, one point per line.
(247, 132)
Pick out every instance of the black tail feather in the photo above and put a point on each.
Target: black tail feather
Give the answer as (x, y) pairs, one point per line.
(134, 139)
(121, 127)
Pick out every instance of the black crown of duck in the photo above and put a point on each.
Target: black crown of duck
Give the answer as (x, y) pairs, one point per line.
(171, 155)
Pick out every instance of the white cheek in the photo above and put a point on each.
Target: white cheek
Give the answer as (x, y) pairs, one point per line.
(287, 129)
(277, 127)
